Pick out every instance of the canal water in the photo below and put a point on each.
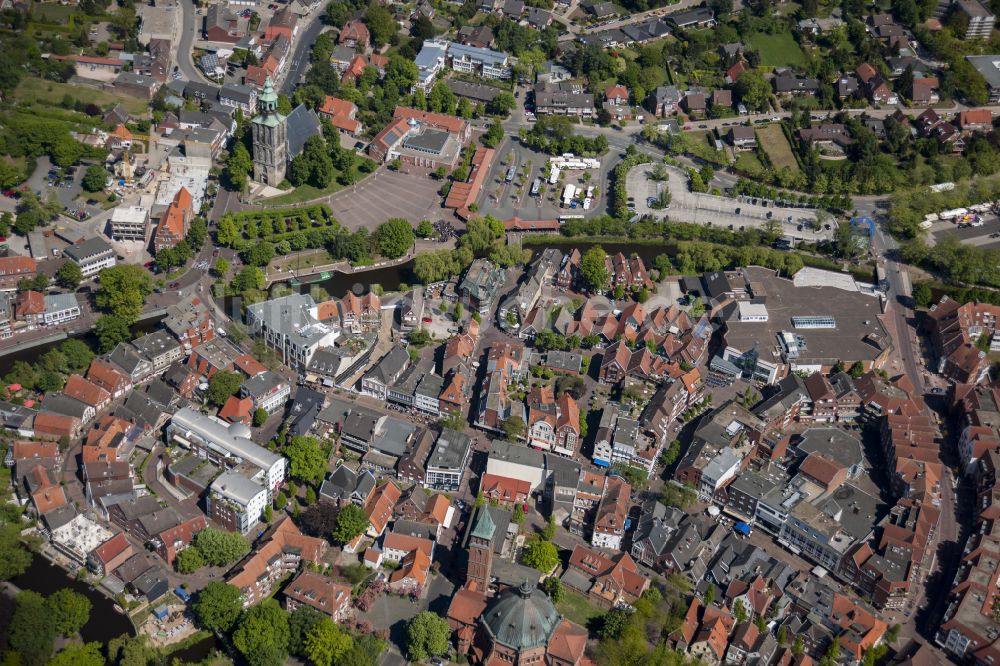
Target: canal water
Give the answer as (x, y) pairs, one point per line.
(105, 622)
(31, 354)
(391, 277)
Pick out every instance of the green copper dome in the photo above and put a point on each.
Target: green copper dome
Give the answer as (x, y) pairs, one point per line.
(485, 527)
(522, 619)
(267, 106)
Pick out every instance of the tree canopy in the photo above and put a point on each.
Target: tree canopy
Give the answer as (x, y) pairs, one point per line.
(593, 268)
(123, 291)
(307, 458)
(395, 237)
(262, 635)
(351, 522)
(219, 547)
(222, 385)
(427, 635)
(542, 555)
(217, 606)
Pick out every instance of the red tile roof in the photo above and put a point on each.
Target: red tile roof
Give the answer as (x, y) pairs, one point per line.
(112, 548)
(237, 410)
(86, 391)
(341, 113)
(30, 303)
(17, 265)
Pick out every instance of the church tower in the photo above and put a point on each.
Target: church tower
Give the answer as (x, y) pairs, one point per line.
(481, 551)
(270, 138)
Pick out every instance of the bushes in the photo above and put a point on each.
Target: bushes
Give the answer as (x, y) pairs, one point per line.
(619, 204)
(308, 227)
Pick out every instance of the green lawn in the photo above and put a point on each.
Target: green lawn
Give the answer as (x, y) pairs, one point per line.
(32, 89)
(577, 608)
(777, 50)
(747, 161)
(52, 12)
(304, 193)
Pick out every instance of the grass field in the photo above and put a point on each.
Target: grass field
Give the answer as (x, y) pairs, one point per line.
(52, 12)
(777, 50)
(747, 161)
(304, 193)
(32, 89)
(577, 608)
(776, 146)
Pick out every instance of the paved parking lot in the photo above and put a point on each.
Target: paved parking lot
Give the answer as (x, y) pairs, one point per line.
(392, 612)
(982, 236)
(501, 199)
(703, 208)
(410, 193)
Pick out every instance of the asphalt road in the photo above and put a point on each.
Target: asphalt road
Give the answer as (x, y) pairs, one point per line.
(189, 30)
(300, 54)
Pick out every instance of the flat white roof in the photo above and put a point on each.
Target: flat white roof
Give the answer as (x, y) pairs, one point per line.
(817, 277)
(752, 310)
(81, 535)
(133, 214)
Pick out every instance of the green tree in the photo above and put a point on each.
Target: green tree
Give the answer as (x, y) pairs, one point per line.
(494, 135)
(425, 229)
(613, 623)
(69, 275)
(307, 459)
(131, 651)
(31, 632)
(739, 611)
(753, 90)
(922, 294)
(513, 427)
(259, 254)
(239, 165)
(427, 635)
(221, 268)
(217, 606)
(351, 523)
(68, 611)
(553, 588)
(189, 560)
(395, 238)
(123, 291)
(594, 269)
(326, 643)
(502, 104)
(76, 355)
(111, 330)
(518, 516)
(222, 385)
(262, 635)
(301, 620)
(95, 178)
(381, 25)
(542, 555)
(259, 416)
(219, 547)
(549, 531)
(79, 655)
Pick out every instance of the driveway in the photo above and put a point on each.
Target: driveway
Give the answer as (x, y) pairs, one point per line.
(392, 612)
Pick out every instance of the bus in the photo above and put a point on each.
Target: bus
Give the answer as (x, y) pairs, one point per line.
(536, 187)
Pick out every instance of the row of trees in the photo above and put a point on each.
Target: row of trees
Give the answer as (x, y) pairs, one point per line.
(48, 372)
(266, 635)
(554, 135)
(38, 621)
(212, 547)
